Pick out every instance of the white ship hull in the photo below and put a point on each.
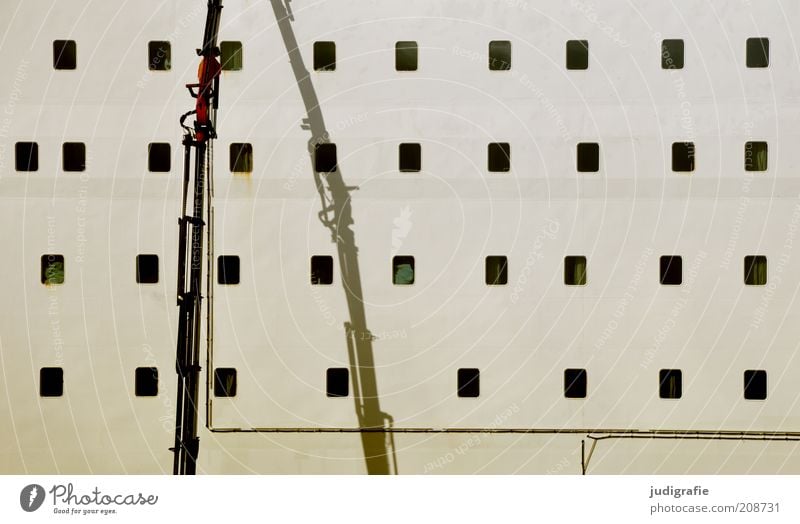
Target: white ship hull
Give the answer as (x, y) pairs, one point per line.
(281, 333)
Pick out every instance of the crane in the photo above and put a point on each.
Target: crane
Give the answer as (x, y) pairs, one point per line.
(199, 138)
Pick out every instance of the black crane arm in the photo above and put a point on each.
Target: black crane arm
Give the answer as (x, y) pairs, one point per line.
(190, 243)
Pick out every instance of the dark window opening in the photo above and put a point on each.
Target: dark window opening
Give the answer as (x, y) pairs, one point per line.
(225, 382)
(73, 156)
(228, 269)
(577, 54)
(403, 270)
(65, 54)
(671, 270)
(410, 158)
(241, 158)
(670, 383)
(405, 56)
(146, 382)
(672, 54)
(499, 157)
(26, 156)
(230, 56)
(683, 156)
(575, 383)
(51, 382)
(588, 157)
(758, 52)
(469, 382)
(575, 271)
(159, 157)
(321, 270)
(755, 270)
(496, 270)
(159, 55)
(147, 269)
(337, 382)
(755, 156)
(324, 56)
(499, 55)
(52, 269)
(755, 384)
(325, 160)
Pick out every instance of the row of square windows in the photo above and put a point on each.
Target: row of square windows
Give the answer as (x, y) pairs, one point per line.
(337, 383)
(406, 55)
(159, 157)
(404, 270)
(159, 55)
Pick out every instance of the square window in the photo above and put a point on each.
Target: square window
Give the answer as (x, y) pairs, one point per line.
(672, 54)
(321, 270)
(159, 157)
(671, 270)
(324, 56)
(225, 382)
(755, 156)
(337, 383)
(755, 384)
(147, 269)
(575, 271)
(52, 269)
(588, 157)
(227, 269)
(241, 158)
(65, 54)
(577, 54)
(670, 383)
(159, 55)
(758, 52)
(403, 270)
(51, 382)
(683, 156)
(325, 158)
(469, 382)
(405, 56)
(496, 270)
(230, 56)
(755, 270)
(410, 158)
(499, 157)
(73, 156)
(26, 156)
(146, 382)
(499, 55)
(575, 383)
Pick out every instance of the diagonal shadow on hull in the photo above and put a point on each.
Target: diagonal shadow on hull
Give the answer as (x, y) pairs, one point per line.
(336, 215)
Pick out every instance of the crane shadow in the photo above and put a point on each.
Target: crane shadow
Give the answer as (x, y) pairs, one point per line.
(336, 214)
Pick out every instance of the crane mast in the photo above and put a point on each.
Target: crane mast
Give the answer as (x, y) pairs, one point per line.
(198, 138)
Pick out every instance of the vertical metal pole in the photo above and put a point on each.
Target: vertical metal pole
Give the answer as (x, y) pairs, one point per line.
(184, 304)
(583, 457)
(195, 282)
